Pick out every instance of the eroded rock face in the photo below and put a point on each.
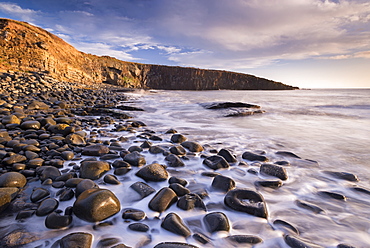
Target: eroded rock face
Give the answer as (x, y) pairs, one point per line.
(94, 205)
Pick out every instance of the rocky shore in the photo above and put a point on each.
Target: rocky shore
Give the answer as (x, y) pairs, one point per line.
(62, 145)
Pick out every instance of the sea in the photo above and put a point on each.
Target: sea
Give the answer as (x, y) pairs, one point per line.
(320, 130)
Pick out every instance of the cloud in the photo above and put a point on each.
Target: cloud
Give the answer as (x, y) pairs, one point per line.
(218, 34)
(15, 10)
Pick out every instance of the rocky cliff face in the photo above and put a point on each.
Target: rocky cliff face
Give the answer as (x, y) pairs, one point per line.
(24, 47)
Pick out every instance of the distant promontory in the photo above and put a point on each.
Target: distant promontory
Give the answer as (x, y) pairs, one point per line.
(27, 48)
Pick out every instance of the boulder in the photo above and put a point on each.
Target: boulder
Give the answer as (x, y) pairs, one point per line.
(192, 146)
(216, 162)
(78, 239)
(216, 221)
(135, 159)
(163, 200)
(254, 157)
(95, 205)
(247, 201)
(13, 179)
(153, 172)
(173, 223)
(93, 169)
(274, 170)
(223, 183)
(95, 150)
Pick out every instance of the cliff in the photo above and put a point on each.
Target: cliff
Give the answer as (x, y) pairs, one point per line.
(24, 47)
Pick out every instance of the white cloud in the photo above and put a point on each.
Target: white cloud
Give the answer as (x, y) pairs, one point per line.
(103, 50)
(15, 10)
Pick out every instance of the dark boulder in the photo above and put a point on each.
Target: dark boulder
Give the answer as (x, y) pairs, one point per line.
(163, 200)
(142, 189)
(95, 150)
(244, 239)
(216, 162)
(254, 157)
(153, 172)
(178, 138)
(174, 161)
(57, 221)
(179, 189)
(247, 201)
(274, 170)
(173, 223)
(94, 205)
(191, 201)
(135, 159)
(174, 245)
(229, 157)
(133, 214)
(78, 239)
(47, 206)
(223, 105)
(223, 183)
(216, 221)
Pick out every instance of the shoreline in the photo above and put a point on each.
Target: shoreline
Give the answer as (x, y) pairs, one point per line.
(57, 129)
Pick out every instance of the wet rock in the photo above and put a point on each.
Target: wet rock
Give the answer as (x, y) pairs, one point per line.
(192, 146)
(157, 150)
(333, 195)
(34, 163)
(10, 119)
(94, 205)
(24, 214)
(216, 162)
(47, 172)
(135, 159)
(133, 214)
(216, 221)
(274, 184)
(178, 138)
(38, 194)
(343, 175)
(93, 169)
(75, 139)
(227, 155)
(274, 170)
(85, 184)
(287, 154)
(224, 105)
(174, 245)
(178, 180)
(146, 144)
(108, 242)
(31, 125)
(47, 206)
(153, 172)
(285, 227)
(142, 189)
(13, 179)
(174, 161)
(16, 158)
(362, 190)
(173, 223)
(66, 194)
(254, 157)
(201, 238)
(38, 105)
(294, 241)
(309, 206)
(95, 150)
(247, 201)
(345, 246)
(223, 183)
(138, 227)
(72, 182)
(78, 239)
(178, 150)
(191, 201)
(17, 237)
(111, 179)
(244, 239)
(179, 189)
(135, 148)
(163, 200)
(5, 200)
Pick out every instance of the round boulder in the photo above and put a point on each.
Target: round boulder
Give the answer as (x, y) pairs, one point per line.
(93, 169)
(12, 179)
(95, 205)
(217, 221)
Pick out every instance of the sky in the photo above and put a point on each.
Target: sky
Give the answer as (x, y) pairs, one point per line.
(305, 43)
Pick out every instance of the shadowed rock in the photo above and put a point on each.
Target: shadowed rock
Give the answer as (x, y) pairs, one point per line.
(223, 183)
(216, 162)
(254, 157)
(217, 221)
